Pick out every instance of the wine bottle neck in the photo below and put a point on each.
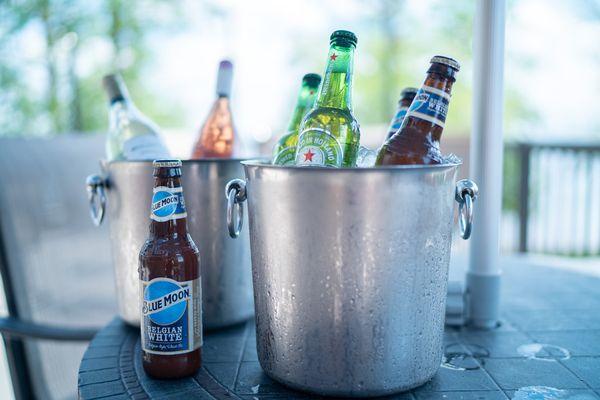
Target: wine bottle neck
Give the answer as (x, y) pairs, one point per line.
(336, 91)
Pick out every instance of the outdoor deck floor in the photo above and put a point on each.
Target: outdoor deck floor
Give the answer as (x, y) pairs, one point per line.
(558, 308)
(548, 346)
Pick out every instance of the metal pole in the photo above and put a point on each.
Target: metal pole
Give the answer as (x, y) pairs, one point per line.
(483, 276)
(524, 151)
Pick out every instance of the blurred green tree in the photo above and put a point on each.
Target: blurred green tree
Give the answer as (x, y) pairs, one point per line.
(67, 30)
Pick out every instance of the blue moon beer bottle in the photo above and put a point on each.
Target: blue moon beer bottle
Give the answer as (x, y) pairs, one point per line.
(418, 139)
(170, 289)
(406, 97)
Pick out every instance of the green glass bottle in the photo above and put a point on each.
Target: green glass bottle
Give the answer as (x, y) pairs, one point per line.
(284, 152)
(329, 134)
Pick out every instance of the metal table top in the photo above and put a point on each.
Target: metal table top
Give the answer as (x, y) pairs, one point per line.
(547, 347)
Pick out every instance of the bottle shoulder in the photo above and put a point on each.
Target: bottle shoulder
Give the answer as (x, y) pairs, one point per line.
(329, 117)
(288, 139)
(169, 247)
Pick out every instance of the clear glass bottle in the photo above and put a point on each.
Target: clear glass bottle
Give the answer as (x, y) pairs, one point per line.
(131, 135)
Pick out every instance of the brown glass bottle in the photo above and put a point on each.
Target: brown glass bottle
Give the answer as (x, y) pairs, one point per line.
(418, 139)
(406, 97)
(217, 135)
(169, 269)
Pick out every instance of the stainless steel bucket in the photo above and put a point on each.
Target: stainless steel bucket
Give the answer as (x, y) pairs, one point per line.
(125, 190)
(350, 270)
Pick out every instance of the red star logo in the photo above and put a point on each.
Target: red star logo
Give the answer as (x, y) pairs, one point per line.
(333, 57)
(308, 156)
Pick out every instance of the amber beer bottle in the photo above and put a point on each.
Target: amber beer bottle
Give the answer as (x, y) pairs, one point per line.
(169, 268)
(217, 135)
(406, 97)
(418, 139)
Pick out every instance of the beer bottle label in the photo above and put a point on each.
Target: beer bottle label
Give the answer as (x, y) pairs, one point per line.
(317, 147)
(398, 118)
(167, 204)
(171, 316)
(430, 104)
(286, 156)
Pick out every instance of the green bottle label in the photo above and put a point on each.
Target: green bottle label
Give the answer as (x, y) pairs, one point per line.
(317, 147)
(286, 156)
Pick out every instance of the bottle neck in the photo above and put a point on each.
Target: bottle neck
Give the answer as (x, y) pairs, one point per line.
(165, 224)
(441, 82)
(427, 113)
(306, 100)
(221, 103)
(121, 103)
(336, 91)
(405, 102)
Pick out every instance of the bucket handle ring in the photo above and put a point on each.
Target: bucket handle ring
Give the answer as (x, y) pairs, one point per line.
(235, 191)
(466, 194)
(95, 185)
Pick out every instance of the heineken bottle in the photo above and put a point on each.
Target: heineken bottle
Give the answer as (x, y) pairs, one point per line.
(284, 152)
(329, 134)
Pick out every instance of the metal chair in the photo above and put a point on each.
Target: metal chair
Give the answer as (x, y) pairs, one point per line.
(55, 264)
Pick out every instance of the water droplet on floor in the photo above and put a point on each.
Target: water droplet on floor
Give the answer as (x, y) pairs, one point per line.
(459, 362)
(543, 352)
(457, 358)
(548, 393)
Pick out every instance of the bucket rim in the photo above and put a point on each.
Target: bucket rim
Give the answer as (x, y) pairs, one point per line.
(236, 160)
(264, 163)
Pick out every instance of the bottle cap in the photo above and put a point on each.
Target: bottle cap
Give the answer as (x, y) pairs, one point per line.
(451, 62)
(224, 78)
(166, 163)
(114, 86)
(343, 38)
(408, 92)
(312, 80)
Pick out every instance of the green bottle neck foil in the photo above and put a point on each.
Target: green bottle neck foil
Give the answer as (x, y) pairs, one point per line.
(306, 101)
(336, 91)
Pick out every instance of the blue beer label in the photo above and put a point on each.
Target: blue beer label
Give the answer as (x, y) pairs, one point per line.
(171, 316)
(430, 104)
(398, 118)
(167, 204)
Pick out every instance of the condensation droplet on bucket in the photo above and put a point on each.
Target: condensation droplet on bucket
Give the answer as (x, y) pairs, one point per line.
(543, 352)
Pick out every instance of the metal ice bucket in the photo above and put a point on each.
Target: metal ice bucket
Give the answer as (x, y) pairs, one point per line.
(124, 192)
(350, 269)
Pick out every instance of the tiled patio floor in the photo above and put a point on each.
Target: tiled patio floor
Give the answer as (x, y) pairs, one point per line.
(547, 347)
(540, 305)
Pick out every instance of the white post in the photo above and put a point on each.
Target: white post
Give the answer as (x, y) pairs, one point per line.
(483, 277)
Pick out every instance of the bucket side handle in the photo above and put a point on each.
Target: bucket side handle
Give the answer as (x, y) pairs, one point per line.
(465, 194)
(95, 185)
(235, 191)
